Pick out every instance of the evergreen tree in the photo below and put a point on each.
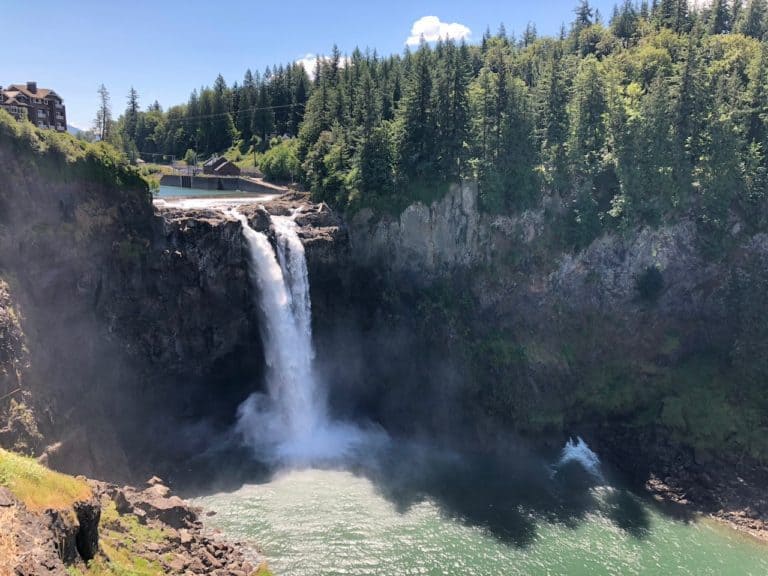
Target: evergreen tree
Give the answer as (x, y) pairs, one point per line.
(720, 17)
(248, 101)
(554, 122)
(754, 19)
(132, 115)
(263, 118)
(102, 125)
(417, 150)
(587, 139)
(719, 168)
(222, 128)
(625, 22)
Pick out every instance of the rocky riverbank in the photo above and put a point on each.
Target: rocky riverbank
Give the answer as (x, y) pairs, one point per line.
(735, 497)
(106, 530)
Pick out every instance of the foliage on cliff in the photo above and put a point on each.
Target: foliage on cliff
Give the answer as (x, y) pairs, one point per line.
(58, 154)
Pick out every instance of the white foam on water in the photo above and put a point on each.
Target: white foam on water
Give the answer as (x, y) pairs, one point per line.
(577, 450)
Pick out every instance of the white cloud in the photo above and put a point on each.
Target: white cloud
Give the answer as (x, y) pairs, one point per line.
(432, 29)
(309, 61)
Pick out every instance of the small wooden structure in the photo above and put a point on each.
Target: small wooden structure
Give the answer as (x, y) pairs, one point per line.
(220, 166)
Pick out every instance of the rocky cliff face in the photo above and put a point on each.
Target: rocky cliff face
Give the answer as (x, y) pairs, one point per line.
(117, 325)
(128, 333)
(606, 341)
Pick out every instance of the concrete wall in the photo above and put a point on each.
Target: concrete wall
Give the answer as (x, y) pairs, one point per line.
(233, 184)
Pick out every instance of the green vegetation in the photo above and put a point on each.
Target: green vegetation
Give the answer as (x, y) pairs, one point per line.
(121, 538)
(281, 163)
(50, 152)
(38, 487)
(661, 111)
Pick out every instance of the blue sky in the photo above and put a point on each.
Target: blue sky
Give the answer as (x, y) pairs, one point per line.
(167, 48)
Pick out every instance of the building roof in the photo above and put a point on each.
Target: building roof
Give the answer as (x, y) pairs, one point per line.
(215, 161)
(10, 99)
(225, 164)
(41, 92)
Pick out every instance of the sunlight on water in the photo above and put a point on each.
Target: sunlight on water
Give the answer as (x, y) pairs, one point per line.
(322, 522)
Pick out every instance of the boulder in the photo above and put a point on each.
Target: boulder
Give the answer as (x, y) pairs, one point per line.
(121, 502)
(170, 510)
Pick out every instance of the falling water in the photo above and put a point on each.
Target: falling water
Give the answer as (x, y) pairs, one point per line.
(290, 424)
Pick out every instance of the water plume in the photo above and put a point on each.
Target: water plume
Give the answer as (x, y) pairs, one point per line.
(290, 424)
(577, 451)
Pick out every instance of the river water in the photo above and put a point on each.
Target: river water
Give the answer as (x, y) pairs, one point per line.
(422, 512)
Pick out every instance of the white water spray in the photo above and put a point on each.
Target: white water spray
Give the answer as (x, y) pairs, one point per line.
(579, 451)
(291, 424)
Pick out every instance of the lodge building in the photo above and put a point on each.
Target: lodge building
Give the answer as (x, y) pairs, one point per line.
(42, 106)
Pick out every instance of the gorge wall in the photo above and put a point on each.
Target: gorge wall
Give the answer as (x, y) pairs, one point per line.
(475, 323)
(128, 335)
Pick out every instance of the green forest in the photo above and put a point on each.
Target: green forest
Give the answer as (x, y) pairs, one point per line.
(654, 112)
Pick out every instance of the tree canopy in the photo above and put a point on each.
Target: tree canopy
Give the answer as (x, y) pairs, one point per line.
(661, 111)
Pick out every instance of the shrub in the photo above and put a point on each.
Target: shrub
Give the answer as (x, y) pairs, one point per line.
(190, 158)
(281, 162)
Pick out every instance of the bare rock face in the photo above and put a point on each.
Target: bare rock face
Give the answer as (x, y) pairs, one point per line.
(46, 543)
(428, 239)
(159, 504)
(18, 420)
(33, 544)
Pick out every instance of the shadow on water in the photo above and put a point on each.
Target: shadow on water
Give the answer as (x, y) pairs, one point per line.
(505, 495)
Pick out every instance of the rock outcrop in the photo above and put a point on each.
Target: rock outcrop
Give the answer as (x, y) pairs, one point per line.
(46, 543)
(424, 240)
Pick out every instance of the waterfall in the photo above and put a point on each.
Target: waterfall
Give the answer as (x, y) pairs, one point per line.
(290, 424)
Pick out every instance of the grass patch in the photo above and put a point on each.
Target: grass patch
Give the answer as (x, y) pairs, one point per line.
(121, 539)
(121, 562)
(38, 487)
(128, 526)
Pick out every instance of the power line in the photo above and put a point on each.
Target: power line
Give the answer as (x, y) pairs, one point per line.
(222, 114)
